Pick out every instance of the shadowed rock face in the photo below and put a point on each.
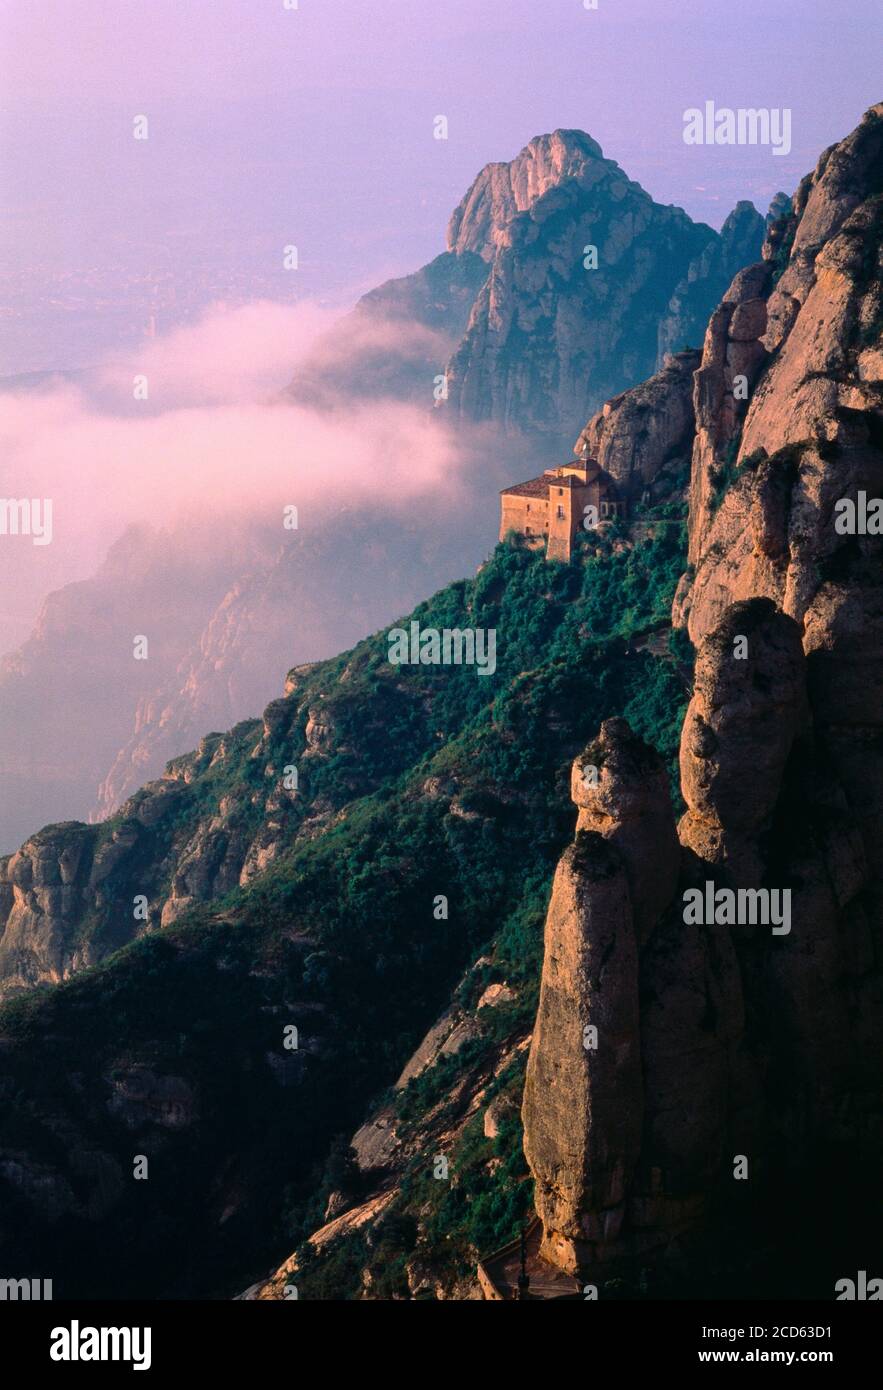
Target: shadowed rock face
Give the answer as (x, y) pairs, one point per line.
(811, 436)
(58, 878)
(527, 337)
(739, 727)
(687, 316)
(717, 1039)
(712, 1040)
(548, 340)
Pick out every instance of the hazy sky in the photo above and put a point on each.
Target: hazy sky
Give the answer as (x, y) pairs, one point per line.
(270, 126)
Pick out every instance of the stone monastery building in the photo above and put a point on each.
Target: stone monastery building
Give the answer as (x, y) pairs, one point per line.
(550, 509)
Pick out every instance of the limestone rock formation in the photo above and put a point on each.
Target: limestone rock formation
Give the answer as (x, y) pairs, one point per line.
(748, 704)
(664, 1048)
(718, 1039)
(733, 354)
(752, 1044)
(59, 878)
(528, 338)
(480, 221)
(621, 788)
(525, 335)
(810, 433)
(643, 437)
(811, 436)
(583, 1097)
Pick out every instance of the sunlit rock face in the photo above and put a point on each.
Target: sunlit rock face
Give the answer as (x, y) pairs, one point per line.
(724, 1037)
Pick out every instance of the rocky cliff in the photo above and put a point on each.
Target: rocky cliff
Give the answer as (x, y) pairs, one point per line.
(686, 317)
(644, 437)
(417, 845)
(583, 1094)
(695, 1078)
(750, 1034)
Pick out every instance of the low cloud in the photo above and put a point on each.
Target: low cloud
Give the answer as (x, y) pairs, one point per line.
(217, 444)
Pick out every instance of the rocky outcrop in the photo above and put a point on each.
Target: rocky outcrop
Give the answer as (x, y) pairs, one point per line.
(621, 788)
(811, 437)
(669, 1049)
(583, 1096)
(748, 705)
(643, 437)
(732, 357)
(810, 433)
(527, 338)
(481, 220)
(758, 1033)
(583, 1091)
(73, 893)
(665, 1048)
(707, 278)
(62, 880)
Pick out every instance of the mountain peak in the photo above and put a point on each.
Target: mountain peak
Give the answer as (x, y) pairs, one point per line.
(503, 189)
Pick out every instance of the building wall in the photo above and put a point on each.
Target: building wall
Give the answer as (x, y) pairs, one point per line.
(560, 527)
(520, 512)
(564, 530)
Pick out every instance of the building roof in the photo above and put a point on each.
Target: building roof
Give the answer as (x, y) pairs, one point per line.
(591, 467)
(534, 487)
(539, 487)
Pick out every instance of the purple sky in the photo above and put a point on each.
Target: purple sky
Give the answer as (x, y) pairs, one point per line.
(270, 126)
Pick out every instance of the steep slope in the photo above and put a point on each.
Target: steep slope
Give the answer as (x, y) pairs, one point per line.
(811, 319)
(218, 614)
(399, 896)
(643, 438)
(755, 997)
(318, 909)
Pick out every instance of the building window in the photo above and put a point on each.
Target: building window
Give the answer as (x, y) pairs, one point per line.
(560, 513)
(528, 506)
(561, 492)
(527, 530)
